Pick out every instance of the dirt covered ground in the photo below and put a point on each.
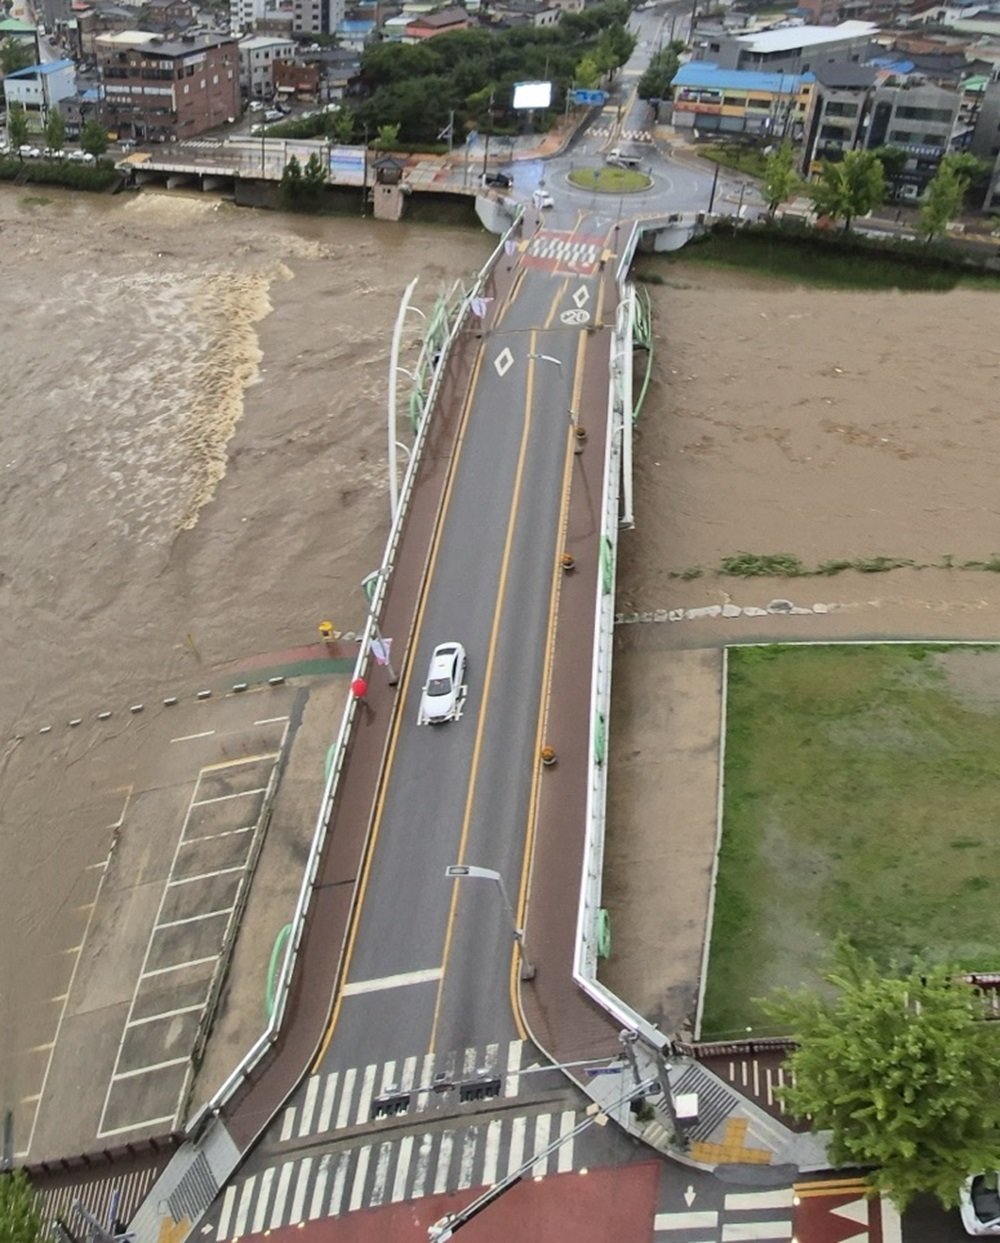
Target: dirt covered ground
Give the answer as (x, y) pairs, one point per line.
(782, 419)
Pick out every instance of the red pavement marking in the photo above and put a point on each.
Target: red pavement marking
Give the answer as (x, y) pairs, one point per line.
(606, 1204)
(834, 1218)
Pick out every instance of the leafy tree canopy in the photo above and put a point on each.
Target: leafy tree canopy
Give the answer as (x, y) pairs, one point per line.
(20, 1220)
(942, 200)
(903, 1071)
(15, 55)
(655, 82)
(17, 125)
(780, 178)
(94, 137)
(55, 130)
(849, 188)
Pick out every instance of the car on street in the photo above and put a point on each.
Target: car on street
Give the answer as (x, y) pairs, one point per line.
(443, 694)
(622, 159)
(541, 199)
(500, 179)
(28, 152)
(979, 1204)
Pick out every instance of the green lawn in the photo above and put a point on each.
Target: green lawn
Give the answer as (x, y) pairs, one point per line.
(610, 180)
(862, 798)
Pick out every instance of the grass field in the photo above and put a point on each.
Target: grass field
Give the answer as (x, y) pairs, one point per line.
(610, 180)
(862, 798)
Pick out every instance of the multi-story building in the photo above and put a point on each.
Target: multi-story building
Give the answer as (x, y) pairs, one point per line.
(919, 119)
(166, 90)
(21, 32)
(429, 25)
(246, 14)
(257, 56)
(787, 49)
(711, 100)
(838, 112)
(317, 17)
(39, 89)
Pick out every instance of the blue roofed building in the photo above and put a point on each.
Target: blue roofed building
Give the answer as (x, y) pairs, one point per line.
(40, 88)
(711, 100)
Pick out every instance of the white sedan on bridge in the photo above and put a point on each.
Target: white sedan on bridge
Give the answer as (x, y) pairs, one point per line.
(443, 694)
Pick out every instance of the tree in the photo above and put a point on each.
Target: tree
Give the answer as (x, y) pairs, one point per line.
(15, 55)
(17, 126)
(290, 186)
(942, 200)
(849, 188)
(387, 137)
(20, 1220)
(655, 82)
(893, 161)
(587, 75)
(780, 177)
(902, 1070)
(340, 125)
(313, 182)
(94, 137)
(55, 130)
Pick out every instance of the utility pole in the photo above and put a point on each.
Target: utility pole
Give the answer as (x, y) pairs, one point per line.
(364, 176)
(715, 182)
(489, 131)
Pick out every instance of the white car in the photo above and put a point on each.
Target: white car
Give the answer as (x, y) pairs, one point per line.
(979, 1204)
(443, 694)
(541, 199)
(28, 152)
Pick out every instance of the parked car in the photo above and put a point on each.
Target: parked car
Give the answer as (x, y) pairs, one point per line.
(27, 152)
(443, 694)
(979, 1204)
(272, 115)
(257, 105)
(500, 179)
(80, 157)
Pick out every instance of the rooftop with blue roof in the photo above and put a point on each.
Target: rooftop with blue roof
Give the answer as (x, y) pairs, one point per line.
(706, 74)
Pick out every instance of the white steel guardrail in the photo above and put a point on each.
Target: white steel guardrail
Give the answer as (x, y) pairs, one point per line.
(267, 1038)
(617, 459)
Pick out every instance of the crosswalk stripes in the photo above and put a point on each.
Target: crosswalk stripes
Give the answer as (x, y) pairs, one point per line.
(98, 1196)
(555, 250)
(626, 135)
(335, 1100)
(383, 1172)
(745, 1217)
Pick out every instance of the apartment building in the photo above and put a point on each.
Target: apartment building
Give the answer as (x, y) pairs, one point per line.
(167, 90)
(258, 54)
(246, 14)
(838, 112)
(919, 119)
(317, 17)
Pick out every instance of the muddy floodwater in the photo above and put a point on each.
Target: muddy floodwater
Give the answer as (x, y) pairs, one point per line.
(192, 474)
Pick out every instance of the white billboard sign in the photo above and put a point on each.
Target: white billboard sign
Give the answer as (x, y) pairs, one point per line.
(532, 94)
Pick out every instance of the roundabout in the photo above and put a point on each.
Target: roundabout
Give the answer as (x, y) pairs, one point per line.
(610, 180)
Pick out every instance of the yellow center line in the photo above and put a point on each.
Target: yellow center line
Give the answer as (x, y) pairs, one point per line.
(543, 700)
(488, 677)
(401, 694)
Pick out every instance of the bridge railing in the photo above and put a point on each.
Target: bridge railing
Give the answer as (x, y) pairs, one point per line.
(589, 915)
(261, 1046)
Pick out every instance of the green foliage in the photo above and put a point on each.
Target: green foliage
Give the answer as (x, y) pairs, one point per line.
(902, 1070)
(655, 82)
(59, 173)
(756, 565)
(942, 200)
(17, 125)
(340, 125)
(301, 189)
(893, 161)
(780, 178)
(472, 73)
(587, 74)
(849, 188)
(20, 1219)
(94, 137)
(387, 137)
(15, 55)
(610, 180)
(795, 251)
(55, 130)
(737, 156)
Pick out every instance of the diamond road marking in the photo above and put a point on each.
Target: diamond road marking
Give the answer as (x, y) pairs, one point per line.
(503, 362)
(581, 297)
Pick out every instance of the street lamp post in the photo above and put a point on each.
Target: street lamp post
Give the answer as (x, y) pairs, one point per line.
(459, 871)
